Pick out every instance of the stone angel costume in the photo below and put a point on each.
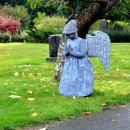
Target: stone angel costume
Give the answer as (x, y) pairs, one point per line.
(77, 73)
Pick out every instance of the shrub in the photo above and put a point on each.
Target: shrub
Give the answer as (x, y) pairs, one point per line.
(119, 25)
(46, 26)
(7, 24)
(119, 36)
(15, 38)
(18, 13)
(118, 31)
(27, 37)
(116, 35)
(4, 38)
(53, 22)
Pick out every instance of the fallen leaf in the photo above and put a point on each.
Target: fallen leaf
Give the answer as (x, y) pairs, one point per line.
(101, 90)
(31, 99)
(72, 117)
(34, 114)
(87, 113)
(74, 97)
(106, 74)
(31, 74)
(23, 74)
(53, 84)
(125, 75)
(104, 104)
(16, 74)
(117, 69)
(32, 85)
(114, 120)
(25, 84)
(114, 106)
(43, 128)
(113, 85)
(45, 79)
(29, 92)
(110, 81)
(14, 96)
(123, 106)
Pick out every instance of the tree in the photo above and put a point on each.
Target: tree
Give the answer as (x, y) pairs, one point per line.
(86, 12)
(7, 24)
(13, 2)
(18, 12)
(89, 11)
(120, 12)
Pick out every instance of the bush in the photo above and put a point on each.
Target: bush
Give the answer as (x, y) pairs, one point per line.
(27, 37)
(40, 36)
(4, 38)
(17, 13)
(116, 35)
(15, 38)
(119, 36)
(45, 27)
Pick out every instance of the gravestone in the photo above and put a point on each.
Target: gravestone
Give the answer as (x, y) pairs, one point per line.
(54, 41)
(103, 25)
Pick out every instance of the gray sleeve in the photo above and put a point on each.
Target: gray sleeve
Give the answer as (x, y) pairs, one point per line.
(82, 50)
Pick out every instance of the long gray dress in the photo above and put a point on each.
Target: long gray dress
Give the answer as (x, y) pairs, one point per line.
(77, 74)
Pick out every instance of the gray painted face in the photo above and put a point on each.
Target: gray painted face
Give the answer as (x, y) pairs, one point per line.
(71, 35)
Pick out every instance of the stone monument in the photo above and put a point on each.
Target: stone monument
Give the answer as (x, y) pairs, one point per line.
(54, 41)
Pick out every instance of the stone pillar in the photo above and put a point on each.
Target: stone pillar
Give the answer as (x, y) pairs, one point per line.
(54, 41)
(60, 60)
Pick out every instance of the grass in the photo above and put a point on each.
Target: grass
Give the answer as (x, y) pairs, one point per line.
(24, 72)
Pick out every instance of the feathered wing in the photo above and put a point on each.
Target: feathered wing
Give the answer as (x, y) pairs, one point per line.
(99, 46)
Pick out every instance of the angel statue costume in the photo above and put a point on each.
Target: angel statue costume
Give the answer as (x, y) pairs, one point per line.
(77, 74)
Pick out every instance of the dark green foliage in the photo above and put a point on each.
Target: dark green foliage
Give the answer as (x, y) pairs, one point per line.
(4, 38)
(40, 36)
(120, 12)
(119, 36)
(118, 27)
(15, 38)
(13, 2)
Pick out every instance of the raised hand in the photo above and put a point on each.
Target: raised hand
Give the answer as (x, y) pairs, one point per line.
(69, 48)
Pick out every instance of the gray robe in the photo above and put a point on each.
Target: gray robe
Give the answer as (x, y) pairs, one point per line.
(77, 74)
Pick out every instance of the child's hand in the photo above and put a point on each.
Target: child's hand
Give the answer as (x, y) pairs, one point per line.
(67, 54)
(69, 48)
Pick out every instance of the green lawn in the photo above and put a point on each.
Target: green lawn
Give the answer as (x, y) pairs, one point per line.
(29, 95)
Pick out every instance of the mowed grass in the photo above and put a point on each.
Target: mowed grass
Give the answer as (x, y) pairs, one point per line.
(29, 94)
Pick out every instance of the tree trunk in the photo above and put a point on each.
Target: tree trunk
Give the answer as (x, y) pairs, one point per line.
(92, 13)
(60, 60)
